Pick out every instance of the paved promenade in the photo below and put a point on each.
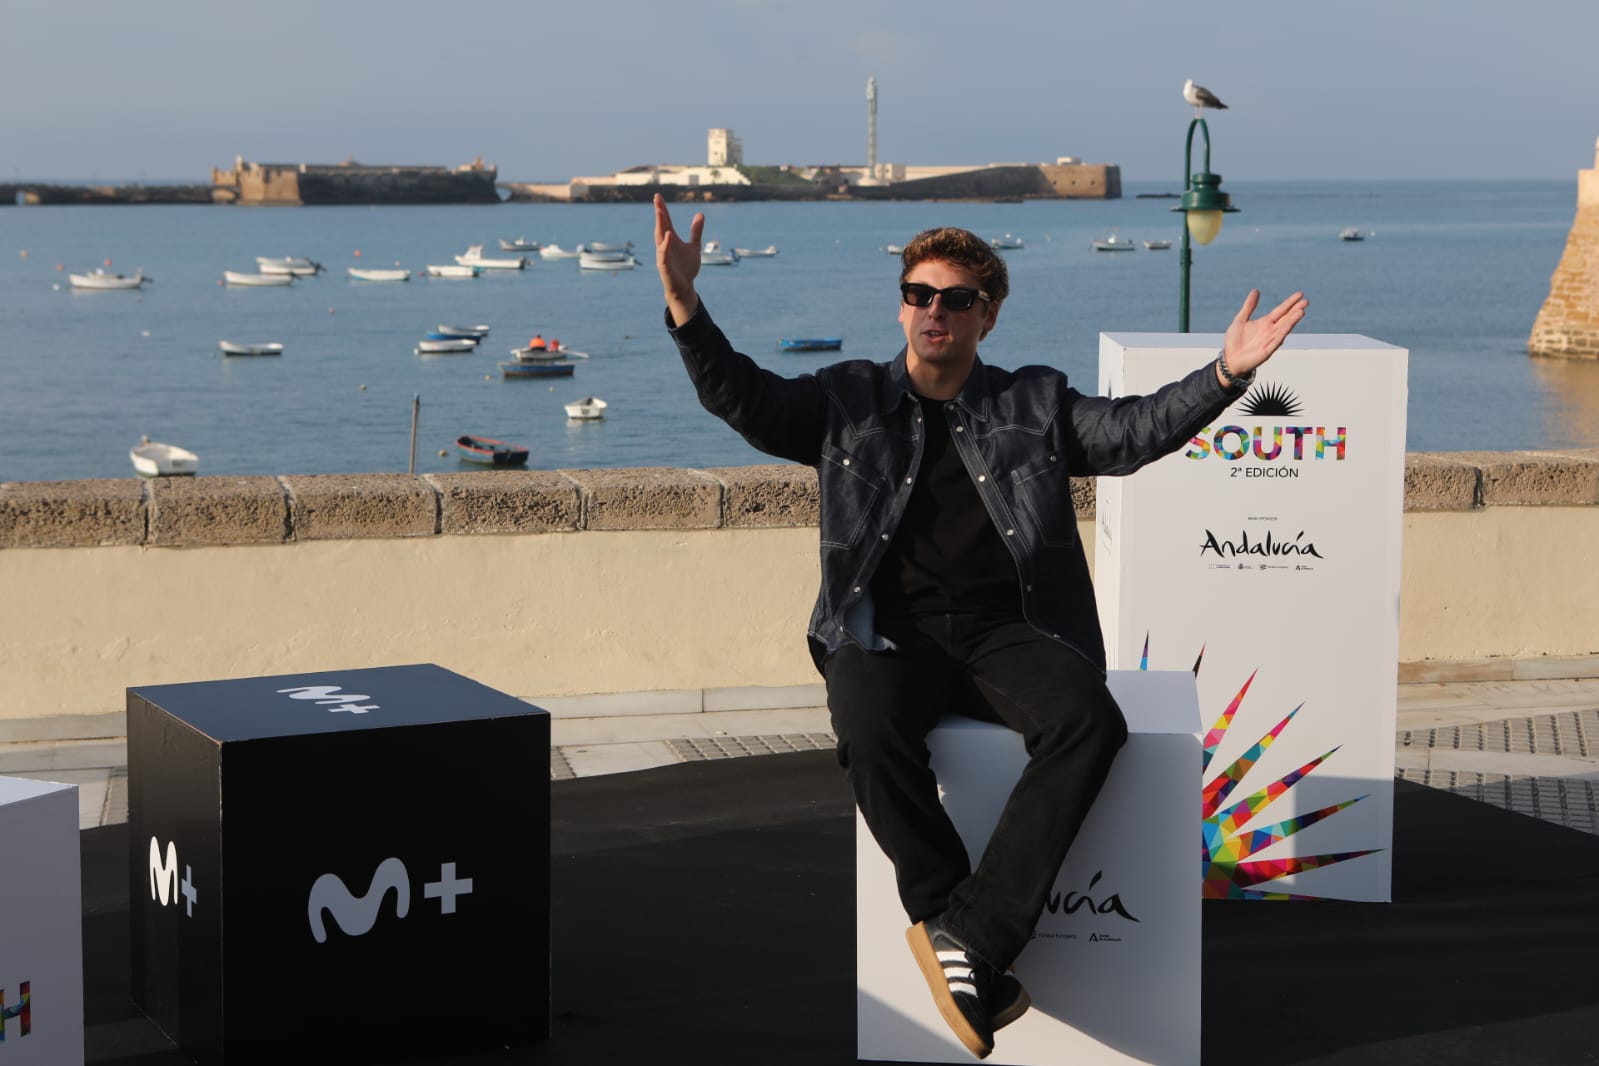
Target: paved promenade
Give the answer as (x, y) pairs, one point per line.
(1525, 739)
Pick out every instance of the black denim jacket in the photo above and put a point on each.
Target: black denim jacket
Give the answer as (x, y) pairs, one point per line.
(1021, 434)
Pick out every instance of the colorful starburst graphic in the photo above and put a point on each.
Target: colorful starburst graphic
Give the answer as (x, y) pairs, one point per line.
(1231, 870)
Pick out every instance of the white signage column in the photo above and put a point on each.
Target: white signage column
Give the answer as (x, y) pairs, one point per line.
(1265, 552)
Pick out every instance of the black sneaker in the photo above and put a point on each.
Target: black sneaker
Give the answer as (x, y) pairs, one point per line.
(961, 983)
(1008, 1000)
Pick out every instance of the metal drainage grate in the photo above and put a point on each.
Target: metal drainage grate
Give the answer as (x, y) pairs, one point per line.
(696, 749)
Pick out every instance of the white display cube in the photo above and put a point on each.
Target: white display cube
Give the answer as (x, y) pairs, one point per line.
(41, 937)
(1123, 916)
(1267, 548)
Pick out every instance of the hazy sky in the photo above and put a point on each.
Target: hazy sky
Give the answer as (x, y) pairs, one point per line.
(166, 89)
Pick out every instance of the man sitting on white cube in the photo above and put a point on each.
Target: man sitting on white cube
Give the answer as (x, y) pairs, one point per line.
(953, 579)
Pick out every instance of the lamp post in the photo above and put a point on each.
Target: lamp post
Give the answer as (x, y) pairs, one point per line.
(1202, 205)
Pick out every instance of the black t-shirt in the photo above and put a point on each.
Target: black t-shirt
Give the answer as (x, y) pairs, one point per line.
(946, 556)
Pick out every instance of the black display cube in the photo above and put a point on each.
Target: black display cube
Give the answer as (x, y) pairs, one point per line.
(351, 866)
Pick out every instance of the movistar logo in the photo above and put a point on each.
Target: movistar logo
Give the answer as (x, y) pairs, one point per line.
(332, 697)
(356, 915)
(164, 885)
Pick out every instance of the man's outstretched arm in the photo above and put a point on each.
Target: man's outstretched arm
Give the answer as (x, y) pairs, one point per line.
(678, 262)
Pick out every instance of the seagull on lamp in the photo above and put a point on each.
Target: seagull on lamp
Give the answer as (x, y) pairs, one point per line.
(1201, 98)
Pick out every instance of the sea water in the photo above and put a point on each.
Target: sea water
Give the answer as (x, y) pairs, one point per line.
(1455, 272)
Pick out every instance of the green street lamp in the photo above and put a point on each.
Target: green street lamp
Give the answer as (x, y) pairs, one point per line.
(1203, 205)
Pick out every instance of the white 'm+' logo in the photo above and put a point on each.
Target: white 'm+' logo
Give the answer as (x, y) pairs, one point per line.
(323, 695)
(356, 915)
(164, 885)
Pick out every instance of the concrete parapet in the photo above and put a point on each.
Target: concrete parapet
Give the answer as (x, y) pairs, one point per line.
(71, 514)
(511, 501)
(219, 511)
(1534, 478)
(648, 498)
(351, 506)
(191, 511)
(776, 494)
(1441, 482)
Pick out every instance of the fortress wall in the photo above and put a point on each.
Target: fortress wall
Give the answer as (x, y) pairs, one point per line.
(1094, 181)
(581, 582)
(1568, 323)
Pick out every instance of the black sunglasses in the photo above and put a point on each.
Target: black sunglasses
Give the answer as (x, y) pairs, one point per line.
(956, 297)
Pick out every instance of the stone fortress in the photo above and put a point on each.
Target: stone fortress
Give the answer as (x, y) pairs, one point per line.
(1568, 323)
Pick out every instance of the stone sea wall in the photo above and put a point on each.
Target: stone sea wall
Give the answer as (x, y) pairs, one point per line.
(1568, 323)
(615, 583)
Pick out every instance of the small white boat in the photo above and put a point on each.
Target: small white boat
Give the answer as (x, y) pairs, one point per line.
(602, 246)
(479, 331)
(893, 249)
(713, 255)
(606, 261)
(474, 257)
(555, 251)
(154, 459)
(101, 279)
(521, 244)
(453, 270)
(1114, 242)
(756, 253)
(589, 407)
(1157, 246)
(1006, 242)
(297, 265)
(458, 344)
(537, 355)
(234, 348)
(379, 274)
(1351, 235)
(234, 277)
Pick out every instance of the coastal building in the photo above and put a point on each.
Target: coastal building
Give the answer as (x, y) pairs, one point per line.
(1568, 323)
(723, 149)
(349, 182)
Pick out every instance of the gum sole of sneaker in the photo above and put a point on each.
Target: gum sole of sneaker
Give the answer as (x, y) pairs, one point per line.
(933, 972)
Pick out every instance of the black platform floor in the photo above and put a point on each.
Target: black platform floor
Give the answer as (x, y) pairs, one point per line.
(704, 913)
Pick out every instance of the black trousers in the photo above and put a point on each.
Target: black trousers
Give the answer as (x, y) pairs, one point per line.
(883, 705)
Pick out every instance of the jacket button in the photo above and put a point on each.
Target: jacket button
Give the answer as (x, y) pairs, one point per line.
(960, 429)
(981, 478)
(857, 588)
(846, 462)
(1052, 458)
(1029, 588)
(1010, 532)
(907, 481)
(885, 536)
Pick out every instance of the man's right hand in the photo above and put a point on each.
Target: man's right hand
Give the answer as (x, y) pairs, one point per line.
(678, 262)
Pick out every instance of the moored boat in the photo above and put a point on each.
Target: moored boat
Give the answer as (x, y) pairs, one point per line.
(1113, 242)
(606, 261)
(154, 459)
(536, 368)
(603, 246)
(474, 257)
(588, 408)
(298, 265)
(810, 344)
(713, 255)
(1157, 246)
(756, 253)
(258, 281)
(235, 348)
(490, 452)
(380, 274)
(479, 331)
(555, 251)
(893, 249)
(521, 244)
(453, 270)
(102, 279)
(1006, 243)
(1351, 234)
(446, 346)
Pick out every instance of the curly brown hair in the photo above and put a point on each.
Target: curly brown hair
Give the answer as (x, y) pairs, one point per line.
(964, 249)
